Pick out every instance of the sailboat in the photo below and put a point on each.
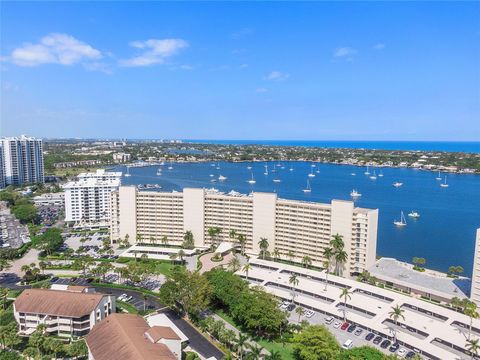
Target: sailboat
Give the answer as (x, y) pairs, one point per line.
(170, 167)
(374, 176)
(353, 174)
(397, 184)
(266, 170)
(439, 177)
(249, 167)
(291, 168)
(402, 221)
(380, 174)
(367, 172)
(308, 189)
(276, 180)
(444, 184)
(222, 178)
(354, 193)
(159, 171)
(252, 180)
(128, 171)
(311, 172)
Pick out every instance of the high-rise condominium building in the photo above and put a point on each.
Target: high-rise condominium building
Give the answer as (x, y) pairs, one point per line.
(294, 228)
(22, 160)
(88, 198)
(2, 168)
(475, 291)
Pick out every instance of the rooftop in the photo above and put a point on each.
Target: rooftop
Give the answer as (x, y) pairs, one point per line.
(122, 336)
(57, 302)
(392, 270)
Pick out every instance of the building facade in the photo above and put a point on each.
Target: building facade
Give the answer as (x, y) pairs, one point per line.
(297, 228)
(475, 290)
(88, 198)
(70, 312)
(22, 160)
(121, 157)
(3, 183)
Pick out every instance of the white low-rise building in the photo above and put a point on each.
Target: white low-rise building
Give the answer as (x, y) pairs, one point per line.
(88, 198)
(68, 312)
(475, 290)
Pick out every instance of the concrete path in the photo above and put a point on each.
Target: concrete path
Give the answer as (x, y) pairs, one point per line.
(30, 257)
(208, 264)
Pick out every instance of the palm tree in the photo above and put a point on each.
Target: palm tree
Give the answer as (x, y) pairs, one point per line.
(232, 234)
(144, 298)
(473, 346)
(242, 240)
(240, 341)
(395, 314)
(291, 255)
(346, 295)
(173, 257)
(340, 258)
(188, 241)
(164, 240)
(144, 257)
(138, 239)
(246, 269)
(255, 352)
(293, 280)
(300, 311)
(326, 265)
(234, 264)
(153, 240)
(337, 242)
(263, 244)
(4, 295)
(471, 312)
(274, 355)
(306, 261)
(5, 264)
(276, 254)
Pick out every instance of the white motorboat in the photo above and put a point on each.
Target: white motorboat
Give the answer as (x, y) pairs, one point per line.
(414, 214)
(308, 189)
(276, 180)
(159, 172)
(397, 184)
(444, 184)
(380, 174)
(252, 180)
(128, 172)
(354, 193)
(211, 175)
(353, 174)
(249, 167)
(402, 221)
(222, 178)
(291, 169)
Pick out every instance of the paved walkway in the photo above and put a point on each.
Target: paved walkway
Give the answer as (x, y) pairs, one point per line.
(30, 257)
(208, 264)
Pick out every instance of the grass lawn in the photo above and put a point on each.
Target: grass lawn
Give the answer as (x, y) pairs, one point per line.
(121, 305)
(285, 351)
(165, 268)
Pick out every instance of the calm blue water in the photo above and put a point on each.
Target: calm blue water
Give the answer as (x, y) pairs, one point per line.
(444, 234)
(451, 146)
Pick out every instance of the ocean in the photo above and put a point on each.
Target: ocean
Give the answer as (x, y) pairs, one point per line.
(444, 234)
(450, 146)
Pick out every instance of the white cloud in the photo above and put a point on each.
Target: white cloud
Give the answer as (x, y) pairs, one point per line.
(277, 76)
(379, 46)
(155, 51)
(60, 49)
(261, 90)
(344, 51)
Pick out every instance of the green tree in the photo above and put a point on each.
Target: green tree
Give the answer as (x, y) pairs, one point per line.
(234, 264)
(345, 295)
(255, 352)
(3, 296)
(26, 213)
(293, 281)
(363, 353)
(246, 269)
(164, 240)
(263, 244)
(315, 342)
(306, 261)
(242, 240)
(188, 292)
(300, 311)
(473, 346)
(240, 343)
(395, 314)
(77, 349)
(188, 241)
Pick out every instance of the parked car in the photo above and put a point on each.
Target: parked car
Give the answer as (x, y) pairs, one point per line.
(394, 347)
(377, 340)
(291, 306)
(358, 332)
(309, 313)
(347, 344)
(385, 344)
(410, 355)
(329, 320)
(369, 336)
(351, 328)
(344, 326)
(337, 324)
(402, 352)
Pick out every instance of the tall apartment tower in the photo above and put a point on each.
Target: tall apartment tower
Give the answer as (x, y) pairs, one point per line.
(2, 168)
(88, 198)
(475, 290)
(22, 160)
(293, 228)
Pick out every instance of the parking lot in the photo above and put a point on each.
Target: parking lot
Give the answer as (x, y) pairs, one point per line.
(343, 331)
(12, 233)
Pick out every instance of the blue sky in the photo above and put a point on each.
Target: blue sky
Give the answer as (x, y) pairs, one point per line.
(313, 71)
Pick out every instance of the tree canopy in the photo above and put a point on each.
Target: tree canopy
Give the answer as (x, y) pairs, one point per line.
(315, 342)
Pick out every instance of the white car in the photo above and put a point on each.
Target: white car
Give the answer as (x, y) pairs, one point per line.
(337, 324)
(284, 305)
(309, 313)
(329, 320)
(347, 344)
(401, 352)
